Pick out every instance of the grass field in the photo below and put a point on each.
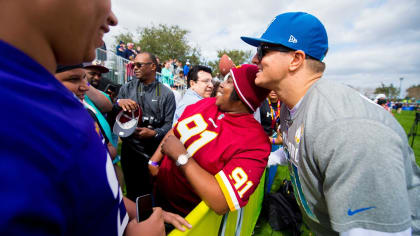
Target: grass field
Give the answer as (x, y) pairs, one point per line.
(406, 119)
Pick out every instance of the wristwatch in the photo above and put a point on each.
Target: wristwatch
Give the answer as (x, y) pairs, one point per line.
(182, 159)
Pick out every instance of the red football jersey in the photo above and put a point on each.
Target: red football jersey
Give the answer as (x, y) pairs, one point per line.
(232, 147)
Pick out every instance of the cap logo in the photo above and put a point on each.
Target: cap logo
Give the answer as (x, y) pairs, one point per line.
(292, 39)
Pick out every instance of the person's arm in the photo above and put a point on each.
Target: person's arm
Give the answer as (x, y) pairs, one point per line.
(277, 140)
(176, 220)
(153, 226)
(203, 183)
(168, 108)
(367, 232)
(99, 99)
(157, 156)
(364, 176)
(178, 112)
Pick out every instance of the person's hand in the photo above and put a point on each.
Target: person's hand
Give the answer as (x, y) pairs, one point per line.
(154, 170)
(144, 133)
(173, 147)
(153, 226)
(176, 220)
(128, 105)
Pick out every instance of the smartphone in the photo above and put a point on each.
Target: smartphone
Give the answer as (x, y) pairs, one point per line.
(144, 206)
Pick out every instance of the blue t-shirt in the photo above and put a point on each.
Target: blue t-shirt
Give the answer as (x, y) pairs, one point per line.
(55, 173)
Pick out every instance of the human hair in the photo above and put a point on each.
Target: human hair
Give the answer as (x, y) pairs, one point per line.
(151, 56)
(193, 73)
(235, 97)
(315, 65)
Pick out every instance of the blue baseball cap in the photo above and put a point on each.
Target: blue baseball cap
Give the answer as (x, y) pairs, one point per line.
(297, 31)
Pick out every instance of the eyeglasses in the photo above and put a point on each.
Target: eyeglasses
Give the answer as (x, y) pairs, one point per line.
(264, 48)
(139, 64)
(207, 81)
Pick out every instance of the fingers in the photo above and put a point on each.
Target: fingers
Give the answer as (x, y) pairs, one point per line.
(128, 105)
(176, 220)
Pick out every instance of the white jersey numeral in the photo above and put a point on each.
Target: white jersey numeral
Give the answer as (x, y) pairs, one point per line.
(241, 178)
(192, 126)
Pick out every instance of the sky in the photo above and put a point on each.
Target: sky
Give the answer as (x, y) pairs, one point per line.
(370, 41)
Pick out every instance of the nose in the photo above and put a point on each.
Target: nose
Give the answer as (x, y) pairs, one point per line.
(112, 19)
(255, 59)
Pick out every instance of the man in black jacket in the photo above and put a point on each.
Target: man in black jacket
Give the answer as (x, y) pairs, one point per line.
(157, 103)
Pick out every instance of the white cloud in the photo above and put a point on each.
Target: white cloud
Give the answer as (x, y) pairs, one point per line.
(370, 41)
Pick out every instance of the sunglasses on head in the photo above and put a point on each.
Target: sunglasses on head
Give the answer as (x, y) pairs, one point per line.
(139, 64)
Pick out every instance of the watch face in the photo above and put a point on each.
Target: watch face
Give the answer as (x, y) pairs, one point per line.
(182, 160)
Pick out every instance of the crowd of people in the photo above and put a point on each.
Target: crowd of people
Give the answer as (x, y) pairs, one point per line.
(351, 167)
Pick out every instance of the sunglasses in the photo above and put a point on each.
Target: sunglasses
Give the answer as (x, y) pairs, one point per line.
(264, 48)
(139, 64)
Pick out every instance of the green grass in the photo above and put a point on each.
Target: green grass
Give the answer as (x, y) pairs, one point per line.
(406, 119)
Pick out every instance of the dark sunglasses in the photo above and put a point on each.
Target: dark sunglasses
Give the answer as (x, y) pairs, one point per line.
(139, 64)
(264, 48)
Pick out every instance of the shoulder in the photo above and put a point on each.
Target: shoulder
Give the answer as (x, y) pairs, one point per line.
(130, 84)
(328, 102)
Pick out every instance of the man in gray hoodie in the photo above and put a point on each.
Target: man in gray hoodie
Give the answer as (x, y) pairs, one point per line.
(350, 163)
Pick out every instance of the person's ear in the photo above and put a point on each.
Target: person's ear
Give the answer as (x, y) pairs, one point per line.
(192, 83)
(297, 60)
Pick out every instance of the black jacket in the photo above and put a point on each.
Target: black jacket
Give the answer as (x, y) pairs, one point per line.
(158, 104)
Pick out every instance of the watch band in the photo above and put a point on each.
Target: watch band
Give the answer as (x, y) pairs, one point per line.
(153, 163)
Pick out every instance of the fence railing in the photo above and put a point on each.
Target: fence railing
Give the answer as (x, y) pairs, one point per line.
(120, 72)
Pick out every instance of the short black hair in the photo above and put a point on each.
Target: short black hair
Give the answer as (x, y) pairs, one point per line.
(234, 96)
(193, 73)
(151, 56)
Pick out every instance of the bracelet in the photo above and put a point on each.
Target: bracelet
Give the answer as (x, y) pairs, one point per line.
(274, 141)
(153, 163)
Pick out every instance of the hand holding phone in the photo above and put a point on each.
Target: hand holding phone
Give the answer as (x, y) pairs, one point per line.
(144, 206)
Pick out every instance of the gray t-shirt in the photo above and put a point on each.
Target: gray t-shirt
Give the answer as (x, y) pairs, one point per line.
(350, 163)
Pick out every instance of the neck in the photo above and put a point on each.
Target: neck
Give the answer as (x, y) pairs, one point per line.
(25, 36)
(239, 108)
(292, 89)
(148, 80)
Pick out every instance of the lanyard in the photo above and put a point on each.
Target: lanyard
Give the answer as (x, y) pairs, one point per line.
(274, 115)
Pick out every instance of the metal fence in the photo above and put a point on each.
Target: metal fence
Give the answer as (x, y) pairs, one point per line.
(120, 72)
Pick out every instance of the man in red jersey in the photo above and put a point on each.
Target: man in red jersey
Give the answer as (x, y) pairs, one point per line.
(217, 151)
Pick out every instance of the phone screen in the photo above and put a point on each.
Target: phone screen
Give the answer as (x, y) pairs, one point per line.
(144, 205)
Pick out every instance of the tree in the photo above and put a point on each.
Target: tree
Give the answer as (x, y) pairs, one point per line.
(125, 37)
(414, 92)
(238, 57)
(389, 91)
(166, 42)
